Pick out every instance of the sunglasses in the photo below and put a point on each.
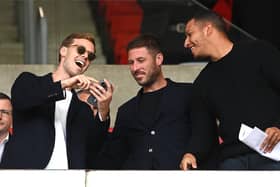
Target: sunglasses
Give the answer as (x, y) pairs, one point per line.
(81, 50)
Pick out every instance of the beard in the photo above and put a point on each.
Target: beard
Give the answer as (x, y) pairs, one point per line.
(149, 79)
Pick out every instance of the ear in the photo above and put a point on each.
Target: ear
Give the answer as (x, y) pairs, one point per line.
(63, 51)
(159, 59)
(208, 29)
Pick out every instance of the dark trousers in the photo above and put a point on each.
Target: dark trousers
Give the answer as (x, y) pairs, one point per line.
(252, 161)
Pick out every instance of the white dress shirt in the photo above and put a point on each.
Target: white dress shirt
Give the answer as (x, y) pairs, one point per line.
(59, 158)
(2, 145)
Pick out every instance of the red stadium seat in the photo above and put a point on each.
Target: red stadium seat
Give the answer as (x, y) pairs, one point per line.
(123, 21)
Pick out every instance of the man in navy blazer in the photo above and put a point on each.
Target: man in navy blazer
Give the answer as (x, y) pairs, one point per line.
(152, 129)
(53, 129)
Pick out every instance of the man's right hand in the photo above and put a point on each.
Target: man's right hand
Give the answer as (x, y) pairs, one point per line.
(77, 82)
(188, 162)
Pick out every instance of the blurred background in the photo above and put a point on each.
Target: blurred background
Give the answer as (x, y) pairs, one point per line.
(31, 30)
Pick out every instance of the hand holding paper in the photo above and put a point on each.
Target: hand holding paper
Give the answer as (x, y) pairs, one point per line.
(254, 138)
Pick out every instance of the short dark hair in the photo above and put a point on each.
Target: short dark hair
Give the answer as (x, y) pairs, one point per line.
(70, 38)
(149, 41)
(4, 96)
(211, 16)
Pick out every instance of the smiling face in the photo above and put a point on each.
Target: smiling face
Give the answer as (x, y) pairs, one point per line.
(75, 62)
(196, 39)
(144, 67)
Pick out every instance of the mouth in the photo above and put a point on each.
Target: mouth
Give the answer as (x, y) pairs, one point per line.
(191, 48)
(138, 75)
(80, 63)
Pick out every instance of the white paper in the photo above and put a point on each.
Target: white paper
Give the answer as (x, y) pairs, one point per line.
(253, 137)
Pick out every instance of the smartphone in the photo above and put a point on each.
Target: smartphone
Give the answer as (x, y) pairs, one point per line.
(91, 99)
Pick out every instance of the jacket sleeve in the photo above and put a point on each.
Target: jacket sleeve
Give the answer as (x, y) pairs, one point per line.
(30, 91)
(204, 138)
(270, 64)
(113, 152)
(97, 136)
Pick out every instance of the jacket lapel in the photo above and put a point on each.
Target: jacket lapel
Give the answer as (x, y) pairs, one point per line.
(72, 110)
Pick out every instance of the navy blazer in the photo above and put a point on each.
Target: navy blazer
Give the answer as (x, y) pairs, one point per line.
(31, 146)
(162, 146)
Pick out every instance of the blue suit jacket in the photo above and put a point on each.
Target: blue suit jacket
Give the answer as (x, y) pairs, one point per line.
(31, 146)
(162, 146)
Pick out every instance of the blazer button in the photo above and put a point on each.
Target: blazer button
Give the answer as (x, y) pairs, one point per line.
(153, 132)
(150, 150)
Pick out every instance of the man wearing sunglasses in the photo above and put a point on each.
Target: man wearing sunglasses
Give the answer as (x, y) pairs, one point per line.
(53, 129)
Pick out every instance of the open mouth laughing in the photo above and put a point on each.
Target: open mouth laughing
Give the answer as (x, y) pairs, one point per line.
(80, 63)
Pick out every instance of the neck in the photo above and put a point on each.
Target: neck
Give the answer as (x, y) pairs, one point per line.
(59, 74)
(158, 84)
(223, 47)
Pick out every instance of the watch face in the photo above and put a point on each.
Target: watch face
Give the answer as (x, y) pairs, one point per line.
(92, 100)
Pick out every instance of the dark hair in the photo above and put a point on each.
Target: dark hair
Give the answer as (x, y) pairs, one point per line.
(210, 16)
(4, 96)
(149, 41)
(69, 40)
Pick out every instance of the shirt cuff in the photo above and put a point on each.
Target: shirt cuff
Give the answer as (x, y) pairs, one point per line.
(100, 117)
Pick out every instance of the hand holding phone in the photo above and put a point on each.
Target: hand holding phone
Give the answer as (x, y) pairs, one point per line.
(91, 99)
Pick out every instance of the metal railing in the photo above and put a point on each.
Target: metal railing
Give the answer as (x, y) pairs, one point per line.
(42, 37)
(33, 32)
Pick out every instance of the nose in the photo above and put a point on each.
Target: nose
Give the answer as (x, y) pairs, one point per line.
(85, 54)
(187, 42)
(133, 67)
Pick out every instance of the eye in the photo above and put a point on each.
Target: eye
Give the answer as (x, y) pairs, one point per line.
(6, 112)
(141, 60)
(130, 62)
(91, 56)
(81, 50)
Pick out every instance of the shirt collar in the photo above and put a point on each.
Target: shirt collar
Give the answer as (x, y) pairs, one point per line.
(5, 140)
